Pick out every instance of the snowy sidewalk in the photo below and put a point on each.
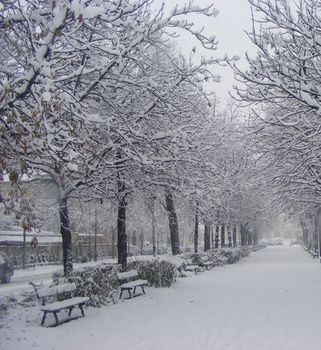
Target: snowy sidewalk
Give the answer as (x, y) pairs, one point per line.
(269, 301)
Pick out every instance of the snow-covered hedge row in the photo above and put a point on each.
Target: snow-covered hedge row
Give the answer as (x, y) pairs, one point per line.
(232, 255)
(198, 258)
(218, 256)
(97, 282)
(158, 272)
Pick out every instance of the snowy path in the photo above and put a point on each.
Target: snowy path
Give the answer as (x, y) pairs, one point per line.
(269, 301)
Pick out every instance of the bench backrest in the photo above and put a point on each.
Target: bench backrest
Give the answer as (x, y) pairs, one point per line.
(127, 275)
(55, 290)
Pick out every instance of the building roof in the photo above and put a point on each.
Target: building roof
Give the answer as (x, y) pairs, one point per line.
(43, 237)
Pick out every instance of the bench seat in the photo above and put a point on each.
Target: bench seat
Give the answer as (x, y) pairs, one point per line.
(67, 304)
(131, 287)
(192, 268)
(208, 264)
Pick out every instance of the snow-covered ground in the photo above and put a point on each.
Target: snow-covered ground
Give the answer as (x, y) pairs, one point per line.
(269, 301)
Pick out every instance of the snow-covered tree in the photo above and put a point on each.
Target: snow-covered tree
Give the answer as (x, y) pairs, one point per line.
(58, 61)
(283, 85)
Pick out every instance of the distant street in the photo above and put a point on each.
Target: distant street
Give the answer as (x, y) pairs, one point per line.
(20, 280)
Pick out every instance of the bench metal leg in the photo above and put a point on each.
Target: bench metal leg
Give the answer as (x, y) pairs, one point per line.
(143, 289)
(44, 317)
(56, 318)
(121, 293)
(134, 291)
(82, 310)
(70, 309)
(130, 294)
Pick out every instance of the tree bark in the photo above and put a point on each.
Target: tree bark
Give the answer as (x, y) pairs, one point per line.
(222, 236)
(66, 236)
(234, 236)
(217, 235)
(96, 233)
(207, 236)
(173, 223)
(229, 236)
(244, 234)
(24, 251)
(141, 242)
(254, 239)
(121, 225)
(196, 230)
(113, 243)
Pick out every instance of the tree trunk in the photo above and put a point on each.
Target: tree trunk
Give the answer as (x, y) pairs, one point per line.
(315, 234)
(196, 230)
(217, 235)
(173, 223)
(249, 238)
(96, 233)
(121, 225)
(222, 236)
(304, 233)
(153, 227)
(318, 229)
(254, 239)
(141, 242)
(24, 251)
(244, 234)
(134, 238)
(234, 236)
(229, 236)
(207, 236)
(113, 243)
(66, 236)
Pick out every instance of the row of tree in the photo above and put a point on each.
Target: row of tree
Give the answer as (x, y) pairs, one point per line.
(283, 85)
(94, 97)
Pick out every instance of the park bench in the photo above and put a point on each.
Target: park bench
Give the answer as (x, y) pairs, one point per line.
(47, 293)
(129, 281)
(314, 255)
(192, 267)
(207, 264)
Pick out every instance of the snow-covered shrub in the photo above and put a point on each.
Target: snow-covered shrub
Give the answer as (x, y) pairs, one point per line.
(158, 273)
(97, 282)
(6, 268)
(6, 303)
(197, 258)
(232, 255)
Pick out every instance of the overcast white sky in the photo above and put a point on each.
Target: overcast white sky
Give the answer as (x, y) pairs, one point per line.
(228, 27)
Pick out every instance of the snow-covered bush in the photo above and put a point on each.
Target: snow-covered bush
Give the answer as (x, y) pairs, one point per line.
(6, 268)
(232, 255)
(97, 282)
(227, 255)
(6, 303)
(158, 273)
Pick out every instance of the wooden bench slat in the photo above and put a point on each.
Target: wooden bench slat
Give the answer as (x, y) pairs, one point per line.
(57, 306)
(133, 284)
(127, 275)
(64, 304)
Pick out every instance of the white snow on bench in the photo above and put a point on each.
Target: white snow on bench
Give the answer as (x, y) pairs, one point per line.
(134, 284)
(126, 275)
(65, 304)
